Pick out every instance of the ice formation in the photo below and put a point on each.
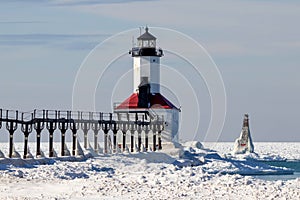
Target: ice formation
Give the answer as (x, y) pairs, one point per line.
(15, 154)
(244, 144)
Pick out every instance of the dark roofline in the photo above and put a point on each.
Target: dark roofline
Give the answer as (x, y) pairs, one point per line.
(146, 35)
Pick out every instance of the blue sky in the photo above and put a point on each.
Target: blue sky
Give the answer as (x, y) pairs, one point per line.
(255, 44)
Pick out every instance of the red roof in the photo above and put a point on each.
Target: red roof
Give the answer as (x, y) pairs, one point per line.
(157, 101)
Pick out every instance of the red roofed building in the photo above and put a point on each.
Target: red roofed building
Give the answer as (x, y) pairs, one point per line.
(146, 97)
(156, 101)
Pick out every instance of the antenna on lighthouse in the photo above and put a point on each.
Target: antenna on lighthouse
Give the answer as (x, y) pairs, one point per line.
(141, 27)
(132, 41)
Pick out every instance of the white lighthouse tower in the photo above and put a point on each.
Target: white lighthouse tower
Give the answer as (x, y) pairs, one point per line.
(146, 61)
(146, 96)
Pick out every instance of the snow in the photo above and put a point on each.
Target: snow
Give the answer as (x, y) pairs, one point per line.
(198, 173)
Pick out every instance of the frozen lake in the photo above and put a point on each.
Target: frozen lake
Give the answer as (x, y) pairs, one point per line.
(199, 174)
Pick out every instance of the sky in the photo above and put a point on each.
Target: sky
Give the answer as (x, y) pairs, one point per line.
(254, 44)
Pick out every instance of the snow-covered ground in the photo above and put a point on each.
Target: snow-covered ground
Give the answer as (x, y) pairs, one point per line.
(198, 174)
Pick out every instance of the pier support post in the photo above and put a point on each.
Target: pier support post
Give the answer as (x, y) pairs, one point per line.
(132, 140)
(38, 129)
(74, 127)
(63, 126)
(159, 140)
(96, 128)
(26, 129)
(85, 128)
(146, 130)
(124, 130)
(115, 131)
(74, 137)
(154, 137)
(51, 126)
(105, 130)
(139, 130)
(11, 127)
(38, 126)
(0, 118)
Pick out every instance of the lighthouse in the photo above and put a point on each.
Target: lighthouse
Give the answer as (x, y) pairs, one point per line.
(146, 96)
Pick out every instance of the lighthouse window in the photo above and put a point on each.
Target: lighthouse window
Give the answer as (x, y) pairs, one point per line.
(145, 43)
(152, 43)
(153, 60)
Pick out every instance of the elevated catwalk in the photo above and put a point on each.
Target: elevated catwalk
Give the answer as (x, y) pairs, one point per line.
(118, 123)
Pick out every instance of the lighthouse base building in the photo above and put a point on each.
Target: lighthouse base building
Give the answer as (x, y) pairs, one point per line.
(146, 97)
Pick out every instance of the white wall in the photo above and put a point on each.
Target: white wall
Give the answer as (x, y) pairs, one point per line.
(147, 66)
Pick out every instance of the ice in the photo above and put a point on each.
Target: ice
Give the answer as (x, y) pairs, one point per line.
(198, 173)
